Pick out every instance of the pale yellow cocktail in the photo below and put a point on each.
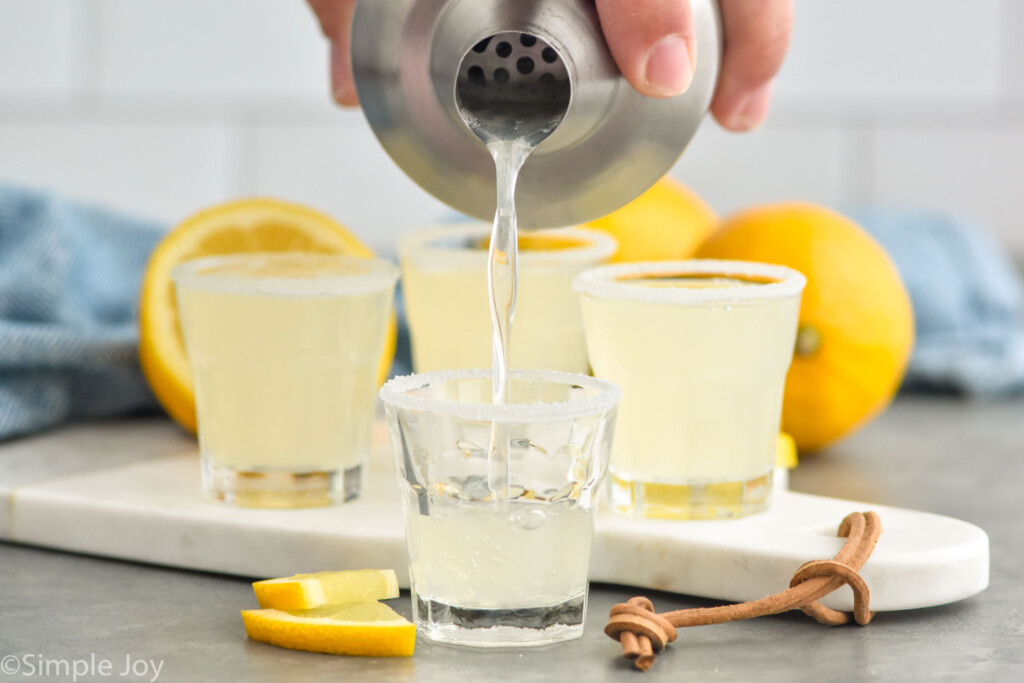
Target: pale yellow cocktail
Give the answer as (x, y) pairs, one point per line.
(507, 565)
(444, 281)
(284, 351)
(700, 350)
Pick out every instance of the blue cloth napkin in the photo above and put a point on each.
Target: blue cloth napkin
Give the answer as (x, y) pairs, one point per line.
(968, 301)
(69, 281)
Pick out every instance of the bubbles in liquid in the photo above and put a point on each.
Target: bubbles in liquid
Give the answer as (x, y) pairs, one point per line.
(522, 445)
(469, 449)
(533, 519)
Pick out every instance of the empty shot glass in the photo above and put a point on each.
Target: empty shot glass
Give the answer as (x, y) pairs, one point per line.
(285, 351)
(444, 281)
(701, 350)
(496, 564)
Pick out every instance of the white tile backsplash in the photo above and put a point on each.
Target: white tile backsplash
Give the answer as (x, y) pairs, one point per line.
(221, 49)
(733, 171)
(162, 107)
(870, 53)
(160, 171)
(973, 172)
(1012, 71)
(342, 169)
(39, 51)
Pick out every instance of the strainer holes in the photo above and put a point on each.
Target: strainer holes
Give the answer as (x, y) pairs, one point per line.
(476, 75)
(503, 49)
(527, 40)
(524, 65)
(481, 47)
(501, 75)
(549, 55)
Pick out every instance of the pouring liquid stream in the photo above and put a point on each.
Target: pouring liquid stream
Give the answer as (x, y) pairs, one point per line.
(502, 276)
(509, 146)
(511, 112)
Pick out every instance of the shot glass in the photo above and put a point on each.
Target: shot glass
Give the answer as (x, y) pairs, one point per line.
(499, 557)
(700, 350)
(444, 281)
(285, 351)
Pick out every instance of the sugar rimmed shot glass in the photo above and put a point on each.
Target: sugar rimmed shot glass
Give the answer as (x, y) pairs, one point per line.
(285, 350)
(444, 282)
(700, 349)
(494, 567)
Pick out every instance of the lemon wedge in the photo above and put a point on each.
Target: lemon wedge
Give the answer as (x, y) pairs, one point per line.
(247, 225)
(785, 451)
(306, 591)
(368, 629)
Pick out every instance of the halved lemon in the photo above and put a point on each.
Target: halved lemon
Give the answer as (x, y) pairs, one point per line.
(307, 591)
(368, 629)
(246, 225)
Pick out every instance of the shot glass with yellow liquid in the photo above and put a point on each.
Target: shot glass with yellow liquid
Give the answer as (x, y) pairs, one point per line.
(701, 350)
(499, 561)
(284, 351)
(444, 281)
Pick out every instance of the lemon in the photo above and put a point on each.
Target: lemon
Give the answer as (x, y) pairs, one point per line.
(306, 591)
(368, 629)
(667, 222)
(247, 225)
(856, 328)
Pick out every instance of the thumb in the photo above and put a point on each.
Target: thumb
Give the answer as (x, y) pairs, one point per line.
(652, 41)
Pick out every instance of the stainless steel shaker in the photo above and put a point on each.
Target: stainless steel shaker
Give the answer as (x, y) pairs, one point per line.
(612, 144)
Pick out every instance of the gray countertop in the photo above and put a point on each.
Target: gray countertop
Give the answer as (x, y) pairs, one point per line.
(944, 455)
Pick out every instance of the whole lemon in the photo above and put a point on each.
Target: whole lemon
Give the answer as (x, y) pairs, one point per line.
(856, 328)
(667, 222)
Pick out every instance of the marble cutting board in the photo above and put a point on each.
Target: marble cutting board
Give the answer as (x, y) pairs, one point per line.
(131, 490)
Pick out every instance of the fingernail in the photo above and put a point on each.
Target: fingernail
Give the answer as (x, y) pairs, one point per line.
(752, 110)
(669, 70)
(342, 88)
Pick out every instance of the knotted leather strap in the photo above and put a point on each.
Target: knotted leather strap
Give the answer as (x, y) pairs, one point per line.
(642, 632)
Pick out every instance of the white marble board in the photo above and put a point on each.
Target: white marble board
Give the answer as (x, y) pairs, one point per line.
(131, 490)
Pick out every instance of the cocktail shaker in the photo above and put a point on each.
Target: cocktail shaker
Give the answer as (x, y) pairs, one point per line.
(410, 57)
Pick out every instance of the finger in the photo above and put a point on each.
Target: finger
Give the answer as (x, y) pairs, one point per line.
(343, 86)
(756, 37)
(335, 18)
(652, 43)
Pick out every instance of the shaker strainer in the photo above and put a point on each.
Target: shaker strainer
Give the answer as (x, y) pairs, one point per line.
(512, 86)
(418, 62)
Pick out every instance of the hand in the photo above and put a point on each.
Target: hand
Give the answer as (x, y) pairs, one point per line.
(653, 43)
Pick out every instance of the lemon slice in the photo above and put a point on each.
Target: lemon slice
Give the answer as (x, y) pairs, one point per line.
(368, 629)
(247, 225)
(306, 591)
(785, 451)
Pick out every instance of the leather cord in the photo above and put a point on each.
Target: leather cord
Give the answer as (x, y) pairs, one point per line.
(642, 632)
